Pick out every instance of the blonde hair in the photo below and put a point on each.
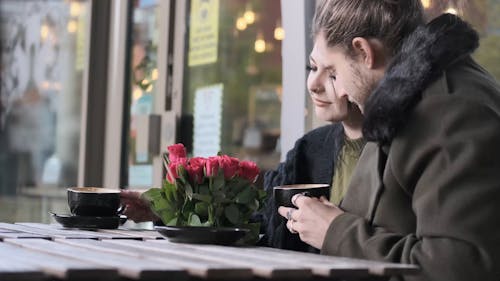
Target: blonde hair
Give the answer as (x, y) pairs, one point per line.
(390, 21)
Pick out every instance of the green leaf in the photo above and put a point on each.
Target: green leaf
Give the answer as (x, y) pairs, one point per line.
(203, 189)
(262, 195)
(171, 222)
(194, 220)
(201, 208)
(168, 217)
(152, 194)
(254, 205)
(218, 181)
(232, 213)
(202, 197)
(189, 191)
(246, 196)
(239, 184)
(218, 197)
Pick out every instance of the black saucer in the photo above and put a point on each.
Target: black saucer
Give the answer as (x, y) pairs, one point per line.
(73, 221)
(202, 235)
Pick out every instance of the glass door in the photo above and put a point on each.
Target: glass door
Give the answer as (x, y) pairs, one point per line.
(149, 122)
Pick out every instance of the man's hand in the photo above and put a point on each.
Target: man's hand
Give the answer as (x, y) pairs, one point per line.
(136, 208)
(311, 219)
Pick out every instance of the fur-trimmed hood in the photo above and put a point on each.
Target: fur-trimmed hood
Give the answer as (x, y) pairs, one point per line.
(424, 56)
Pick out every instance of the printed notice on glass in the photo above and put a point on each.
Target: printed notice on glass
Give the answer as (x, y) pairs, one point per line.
(203, 32)
(207, 121)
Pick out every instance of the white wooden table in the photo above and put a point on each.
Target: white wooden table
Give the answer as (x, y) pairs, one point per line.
(32, 251)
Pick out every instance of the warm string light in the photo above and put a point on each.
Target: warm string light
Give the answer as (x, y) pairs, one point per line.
(44, 31)
(249, 15)
(72, 26)
(75, 9)
(241, 23)
(279, 32)
(426, 3)
(260, 43)
(154, 74)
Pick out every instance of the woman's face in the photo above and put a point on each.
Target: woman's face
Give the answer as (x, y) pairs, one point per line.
(329, 72)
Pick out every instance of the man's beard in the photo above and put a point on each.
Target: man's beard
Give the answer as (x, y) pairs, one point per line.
(364, 84)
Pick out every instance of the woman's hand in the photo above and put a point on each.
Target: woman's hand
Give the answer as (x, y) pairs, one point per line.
(311, 219)
(136, 208)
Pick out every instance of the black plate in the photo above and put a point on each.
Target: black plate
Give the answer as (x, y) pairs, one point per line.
(202, 235)
(72, 221)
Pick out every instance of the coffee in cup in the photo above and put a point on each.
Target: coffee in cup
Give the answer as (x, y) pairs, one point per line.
(283, 194)
(94, 201)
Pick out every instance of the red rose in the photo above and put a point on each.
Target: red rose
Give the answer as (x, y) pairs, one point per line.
(212, 166)
(173, 169)
(248, 170)
(176, 151)
(195, 169)
(230, 165)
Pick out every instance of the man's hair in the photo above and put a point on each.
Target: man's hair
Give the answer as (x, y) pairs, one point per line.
(390, 21)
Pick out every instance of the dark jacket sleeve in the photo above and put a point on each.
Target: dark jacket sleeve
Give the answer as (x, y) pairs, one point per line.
(310, 161)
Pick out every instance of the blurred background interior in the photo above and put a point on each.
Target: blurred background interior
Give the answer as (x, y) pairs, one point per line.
(92, 91)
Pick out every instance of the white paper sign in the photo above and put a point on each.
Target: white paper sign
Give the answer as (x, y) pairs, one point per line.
(207, 120)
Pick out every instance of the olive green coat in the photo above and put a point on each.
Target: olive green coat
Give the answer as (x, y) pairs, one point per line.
(426, 190)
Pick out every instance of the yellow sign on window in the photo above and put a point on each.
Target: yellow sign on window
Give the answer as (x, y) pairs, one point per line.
(204, 32)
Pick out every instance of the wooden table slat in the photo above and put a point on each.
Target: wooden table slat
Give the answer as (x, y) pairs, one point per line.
(61, 231)
(375, 267)
(130, 267)
(54, 233)
(14, 271)
(21, 235)
(4, 230)
(261, 267)
(51, 265)
(320, 269)
(143, 234)
(195, 266)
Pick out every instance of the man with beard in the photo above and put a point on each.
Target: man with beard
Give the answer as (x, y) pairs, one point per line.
(427, 185)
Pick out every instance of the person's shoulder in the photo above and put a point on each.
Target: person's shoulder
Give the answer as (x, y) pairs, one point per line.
(465, 78)
(464, 84)
(316, 140)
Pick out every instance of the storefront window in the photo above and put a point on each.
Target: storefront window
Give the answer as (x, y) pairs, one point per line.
(232, 80)
(43, 55)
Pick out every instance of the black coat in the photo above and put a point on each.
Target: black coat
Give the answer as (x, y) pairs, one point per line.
(311, 160)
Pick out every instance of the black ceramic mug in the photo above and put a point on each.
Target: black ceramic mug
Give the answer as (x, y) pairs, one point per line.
(94, 201)
(283, 194)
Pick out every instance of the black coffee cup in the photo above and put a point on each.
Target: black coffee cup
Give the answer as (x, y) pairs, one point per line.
(283, 194)
(94, 201)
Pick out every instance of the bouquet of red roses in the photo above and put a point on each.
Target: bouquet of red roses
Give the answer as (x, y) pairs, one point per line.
(215, 191)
